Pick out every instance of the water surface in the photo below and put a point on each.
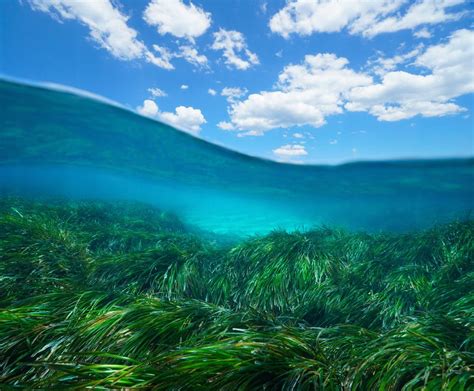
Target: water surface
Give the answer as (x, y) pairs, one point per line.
(56, 143)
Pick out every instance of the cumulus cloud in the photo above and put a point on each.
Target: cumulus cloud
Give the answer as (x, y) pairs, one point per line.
(188, 53)
(233, 93)
(402, 95)
(148, 109)
(176, 18)
(290, 150)
(224, 125)
(164, 57)
(307, 93)
(187, 119)
(107, 27)
(184, 86)
(212, 92)
(234, 48)
(457, 53)
(382, 65)
(324, 84)
(420, 13)
(366, 18)
(191, 55)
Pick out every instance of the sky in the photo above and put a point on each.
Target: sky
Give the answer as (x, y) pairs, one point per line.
(301, 81)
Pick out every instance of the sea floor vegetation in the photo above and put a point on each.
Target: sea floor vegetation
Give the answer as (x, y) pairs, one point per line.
(98, 295)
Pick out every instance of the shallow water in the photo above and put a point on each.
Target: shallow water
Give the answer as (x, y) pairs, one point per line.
(57, 143)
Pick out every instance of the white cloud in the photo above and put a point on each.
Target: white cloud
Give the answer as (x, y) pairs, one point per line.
(398, 111)
(107, 27)
(367, 18)
(156, 92)
(333, 142)
(233, 93)
(176, 18)
(457, 52)
(305, 17)
(382, 65)
(419, 13)
(187, 52)
(307, 94)
(252, 133)
(164, 59)
(298, 135)
(402, 95)
(191, 55)
(212, 92)
(235, 50)
(325, 85)
(224, 125)
(290, 150)
(148, 109)
(184, 86)
(187, 119)
(424, 33)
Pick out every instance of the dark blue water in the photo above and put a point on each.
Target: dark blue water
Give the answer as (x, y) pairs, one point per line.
(60, 144)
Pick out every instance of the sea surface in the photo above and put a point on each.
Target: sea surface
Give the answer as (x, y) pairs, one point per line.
(57, 143)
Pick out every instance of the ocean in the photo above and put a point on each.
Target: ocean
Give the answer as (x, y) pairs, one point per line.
(136, 256)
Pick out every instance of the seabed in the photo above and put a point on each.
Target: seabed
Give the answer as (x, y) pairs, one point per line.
(120, 295)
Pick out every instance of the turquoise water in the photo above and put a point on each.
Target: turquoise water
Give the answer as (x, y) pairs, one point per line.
(59, 144)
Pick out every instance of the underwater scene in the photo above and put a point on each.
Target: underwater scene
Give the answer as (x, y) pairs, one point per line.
(237, 195)
(137, 256)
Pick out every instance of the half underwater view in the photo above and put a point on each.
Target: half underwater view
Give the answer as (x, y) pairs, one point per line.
(236, 195)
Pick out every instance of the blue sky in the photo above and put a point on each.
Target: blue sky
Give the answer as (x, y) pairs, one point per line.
(300, 81)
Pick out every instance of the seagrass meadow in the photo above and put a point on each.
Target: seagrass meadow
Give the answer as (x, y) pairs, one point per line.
(122, 295)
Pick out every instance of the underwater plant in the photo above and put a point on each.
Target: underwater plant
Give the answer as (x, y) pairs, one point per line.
(98, 295)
